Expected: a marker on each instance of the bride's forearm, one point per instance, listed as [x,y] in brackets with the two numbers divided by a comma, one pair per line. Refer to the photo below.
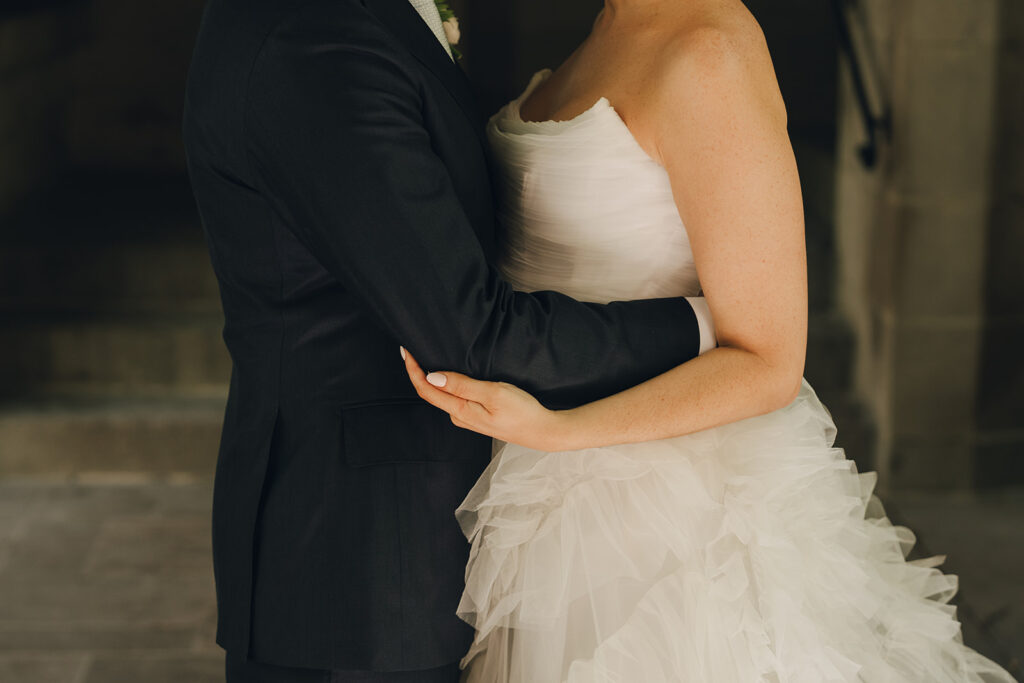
[721,386]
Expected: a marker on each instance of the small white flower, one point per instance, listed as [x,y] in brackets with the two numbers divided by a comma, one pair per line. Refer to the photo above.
[451,31]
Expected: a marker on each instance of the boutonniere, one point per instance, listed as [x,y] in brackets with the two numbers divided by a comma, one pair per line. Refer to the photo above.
[450,23]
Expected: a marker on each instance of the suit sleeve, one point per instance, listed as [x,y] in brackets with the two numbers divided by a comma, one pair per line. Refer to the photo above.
[337,137]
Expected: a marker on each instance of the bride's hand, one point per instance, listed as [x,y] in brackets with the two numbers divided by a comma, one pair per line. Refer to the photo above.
[496,409]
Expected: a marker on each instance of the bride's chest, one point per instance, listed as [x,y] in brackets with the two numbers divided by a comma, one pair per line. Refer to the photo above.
[587,176]
[594,225]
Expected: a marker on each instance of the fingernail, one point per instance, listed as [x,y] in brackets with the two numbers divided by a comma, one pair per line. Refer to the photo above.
[402,350]
[437,379]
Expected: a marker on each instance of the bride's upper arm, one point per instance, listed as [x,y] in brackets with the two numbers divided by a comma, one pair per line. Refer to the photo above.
[720,130]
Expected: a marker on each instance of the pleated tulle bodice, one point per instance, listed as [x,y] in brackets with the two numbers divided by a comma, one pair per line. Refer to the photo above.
[585,210]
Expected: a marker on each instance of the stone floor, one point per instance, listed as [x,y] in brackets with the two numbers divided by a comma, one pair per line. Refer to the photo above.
[106,583]
[109,581]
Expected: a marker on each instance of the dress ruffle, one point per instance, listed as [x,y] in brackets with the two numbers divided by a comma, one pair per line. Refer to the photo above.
[751,552]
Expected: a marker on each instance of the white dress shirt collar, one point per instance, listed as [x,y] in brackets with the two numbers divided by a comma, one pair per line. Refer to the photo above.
[428,10]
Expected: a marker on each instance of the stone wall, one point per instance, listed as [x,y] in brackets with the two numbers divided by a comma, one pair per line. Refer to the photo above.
[1000,407]
[112,361]
[129,84]
[926,266]
[35,76]
[91,84]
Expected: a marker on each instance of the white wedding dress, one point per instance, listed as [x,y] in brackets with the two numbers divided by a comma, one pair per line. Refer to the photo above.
[745,553]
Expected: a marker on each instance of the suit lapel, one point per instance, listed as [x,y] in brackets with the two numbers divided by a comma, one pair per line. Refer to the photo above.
[406,23]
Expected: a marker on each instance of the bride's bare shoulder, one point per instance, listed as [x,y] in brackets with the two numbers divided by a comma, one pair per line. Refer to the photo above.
[712,35]
[714,54]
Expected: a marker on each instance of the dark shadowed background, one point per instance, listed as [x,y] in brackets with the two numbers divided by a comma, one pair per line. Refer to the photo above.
[113,374]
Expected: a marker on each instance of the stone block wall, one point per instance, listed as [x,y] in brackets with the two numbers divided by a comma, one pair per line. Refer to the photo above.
[1000,407]
[922,238]
[88,84]
[129,84]
[112,360]
[36,48]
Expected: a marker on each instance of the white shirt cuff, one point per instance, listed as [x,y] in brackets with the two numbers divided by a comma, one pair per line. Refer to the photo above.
[705,324]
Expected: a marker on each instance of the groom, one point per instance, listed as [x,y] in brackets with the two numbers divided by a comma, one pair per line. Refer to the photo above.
[339,163]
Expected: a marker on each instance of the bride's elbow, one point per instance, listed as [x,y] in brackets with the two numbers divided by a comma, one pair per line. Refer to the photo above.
[788,391]
[778,375]
[787,385]
[784,381]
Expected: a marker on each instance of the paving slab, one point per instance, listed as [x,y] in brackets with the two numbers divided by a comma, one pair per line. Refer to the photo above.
[151,546]
[43,669]
[174,668]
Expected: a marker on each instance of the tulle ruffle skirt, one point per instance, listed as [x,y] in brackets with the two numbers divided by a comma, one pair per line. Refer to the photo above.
[751,552]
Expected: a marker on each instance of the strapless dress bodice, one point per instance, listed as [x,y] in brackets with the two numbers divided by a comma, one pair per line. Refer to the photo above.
[585,210]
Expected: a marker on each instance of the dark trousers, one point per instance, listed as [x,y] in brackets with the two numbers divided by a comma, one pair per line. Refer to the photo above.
[241,671]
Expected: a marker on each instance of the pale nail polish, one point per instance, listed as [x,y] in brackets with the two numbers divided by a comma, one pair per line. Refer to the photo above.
[401,349]
[437,379]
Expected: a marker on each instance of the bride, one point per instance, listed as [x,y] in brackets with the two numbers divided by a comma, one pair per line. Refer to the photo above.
[699,526]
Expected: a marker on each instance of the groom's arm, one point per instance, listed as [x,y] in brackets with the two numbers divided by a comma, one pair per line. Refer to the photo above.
[336,130]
